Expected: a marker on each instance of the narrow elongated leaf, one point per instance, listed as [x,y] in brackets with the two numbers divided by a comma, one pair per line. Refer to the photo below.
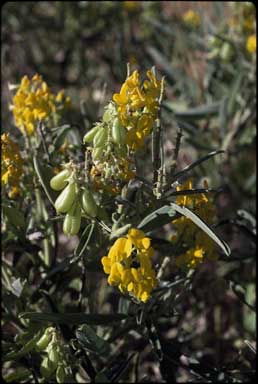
[196,163]
[201,224]
[18,375]
[45,173]
[72,318]
[157,218]
[197,113]
[29,346]
[60,137]
[88,338]
[84,241]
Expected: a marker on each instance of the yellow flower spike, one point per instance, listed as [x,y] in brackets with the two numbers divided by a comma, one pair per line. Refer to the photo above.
[138,281]
[32,103]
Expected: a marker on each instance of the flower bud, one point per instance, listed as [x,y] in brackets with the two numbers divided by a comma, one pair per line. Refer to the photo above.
[59,181]
[88,138]
[100,137]
[88,203]
[72,221]
[118,132]
[66,198]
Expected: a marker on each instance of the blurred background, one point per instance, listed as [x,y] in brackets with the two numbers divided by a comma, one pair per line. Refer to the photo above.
[204,51]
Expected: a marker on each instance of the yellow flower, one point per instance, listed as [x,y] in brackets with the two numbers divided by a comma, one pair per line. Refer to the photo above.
[129,266]
[11,165]
[199,244]
[34,102]
[192,18]
[137,107]
[251,44]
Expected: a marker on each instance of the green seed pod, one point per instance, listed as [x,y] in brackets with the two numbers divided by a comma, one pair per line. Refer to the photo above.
[88,138]
[118,132]
[43,342]
[54,356]
[72,221]
[66,198]
[97,153]
[214,41]
[46,368]
[59,181]
[226,52]
[100,137]
[88,203]
[60,374]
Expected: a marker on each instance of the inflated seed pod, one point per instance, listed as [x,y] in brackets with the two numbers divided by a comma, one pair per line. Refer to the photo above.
[59,181]
[72,221]
[100,138]
[43,341]
[97,153]
[118,132]
[46,368]
[66,198]
[60,374]
[54,355]
[226,52]
[88,138]
[88,203]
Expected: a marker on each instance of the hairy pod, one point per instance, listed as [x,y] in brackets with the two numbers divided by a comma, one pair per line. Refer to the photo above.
[59,181]
[88,203]
[100,138]
[118,132]
[66,198]
[88,138]
[72,221]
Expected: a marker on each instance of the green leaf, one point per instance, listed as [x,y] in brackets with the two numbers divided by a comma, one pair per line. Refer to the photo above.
[18,375]
[84,241]
[197,113]
[196,163]
[158,218]
[88,338]
[45,174]
[14,216]
[29,346]
[61,134]
[201,224]
[72,318]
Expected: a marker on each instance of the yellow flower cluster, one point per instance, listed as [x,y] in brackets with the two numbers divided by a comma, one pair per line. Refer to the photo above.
[188,233]
[192,18]
[129,266]
[11,165]
[34,102]
[137,107]
[251,44]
